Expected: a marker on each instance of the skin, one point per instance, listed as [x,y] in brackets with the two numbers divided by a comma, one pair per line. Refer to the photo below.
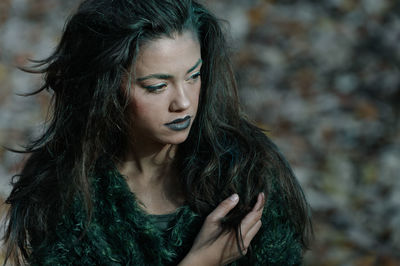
[164,85]
[224,249]
[147,165]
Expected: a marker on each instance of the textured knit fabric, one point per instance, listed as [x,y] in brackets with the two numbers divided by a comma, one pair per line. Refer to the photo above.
[121,233]
[162,220]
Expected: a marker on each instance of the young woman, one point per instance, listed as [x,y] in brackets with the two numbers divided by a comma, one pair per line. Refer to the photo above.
[146,149]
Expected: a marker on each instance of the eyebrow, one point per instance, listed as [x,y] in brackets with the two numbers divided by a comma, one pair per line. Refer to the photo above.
[166,76]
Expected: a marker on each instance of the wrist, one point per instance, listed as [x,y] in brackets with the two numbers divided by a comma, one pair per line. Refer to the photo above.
[195,258]
[189,259]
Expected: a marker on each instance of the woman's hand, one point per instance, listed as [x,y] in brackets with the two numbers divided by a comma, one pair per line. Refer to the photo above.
[224,249]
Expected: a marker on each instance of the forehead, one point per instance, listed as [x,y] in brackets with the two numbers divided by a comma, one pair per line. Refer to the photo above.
[168,54]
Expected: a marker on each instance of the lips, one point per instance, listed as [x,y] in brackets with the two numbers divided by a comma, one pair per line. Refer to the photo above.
[179,120]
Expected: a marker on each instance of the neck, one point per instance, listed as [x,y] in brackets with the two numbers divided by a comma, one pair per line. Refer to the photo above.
[148,164]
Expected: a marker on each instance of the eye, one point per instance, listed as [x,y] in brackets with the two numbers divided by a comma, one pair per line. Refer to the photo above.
[195,76]
[155,88]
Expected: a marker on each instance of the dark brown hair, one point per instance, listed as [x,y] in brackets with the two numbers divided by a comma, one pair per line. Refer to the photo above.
[224,154]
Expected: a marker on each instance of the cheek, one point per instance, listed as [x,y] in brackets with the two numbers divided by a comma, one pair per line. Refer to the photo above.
[197,94]
[147,112]
[142,111]
[139,108]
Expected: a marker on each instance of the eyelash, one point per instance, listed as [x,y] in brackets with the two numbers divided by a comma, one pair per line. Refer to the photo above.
[194,77]
[155,88]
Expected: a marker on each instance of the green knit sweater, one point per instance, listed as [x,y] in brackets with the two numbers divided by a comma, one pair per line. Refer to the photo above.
[121,233]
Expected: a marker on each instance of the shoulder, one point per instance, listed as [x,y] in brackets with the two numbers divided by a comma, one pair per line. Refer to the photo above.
[75,241]
[277,241]
[285,215]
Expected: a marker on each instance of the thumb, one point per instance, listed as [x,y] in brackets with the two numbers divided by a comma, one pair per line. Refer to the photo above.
[223,208]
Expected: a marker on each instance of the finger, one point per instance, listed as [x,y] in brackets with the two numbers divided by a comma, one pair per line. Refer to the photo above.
[260,207]
[252,217]
[249,221]
[223,208]
[251,233]
[259,203]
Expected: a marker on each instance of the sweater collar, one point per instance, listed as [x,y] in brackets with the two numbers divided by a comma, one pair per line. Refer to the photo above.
[121,205]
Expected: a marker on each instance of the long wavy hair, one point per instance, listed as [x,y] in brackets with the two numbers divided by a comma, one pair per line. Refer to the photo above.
[225,152]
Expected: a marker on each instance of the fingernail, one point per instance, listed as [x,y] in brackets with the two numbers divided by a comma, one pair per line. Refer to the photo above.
[263,195]
[234,197]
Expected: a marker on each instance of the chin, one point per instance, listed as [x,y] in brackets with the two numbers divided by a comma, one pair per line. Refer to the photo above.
[177,139]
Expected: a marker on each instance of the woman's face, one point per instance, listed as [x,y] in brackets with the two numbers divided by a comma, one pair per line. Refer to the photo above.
[166,88]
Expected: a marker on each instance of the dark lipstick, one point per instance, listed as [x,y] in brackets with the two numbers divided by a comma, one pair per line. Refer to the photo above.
[179,124]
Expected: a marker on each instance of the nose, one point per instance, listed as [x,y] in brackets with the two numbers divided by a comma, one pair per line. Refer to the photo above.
[180,100]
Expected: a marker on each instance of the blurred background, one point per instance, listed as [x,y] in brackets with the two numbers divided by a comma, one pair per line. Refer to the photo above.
[322,76]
